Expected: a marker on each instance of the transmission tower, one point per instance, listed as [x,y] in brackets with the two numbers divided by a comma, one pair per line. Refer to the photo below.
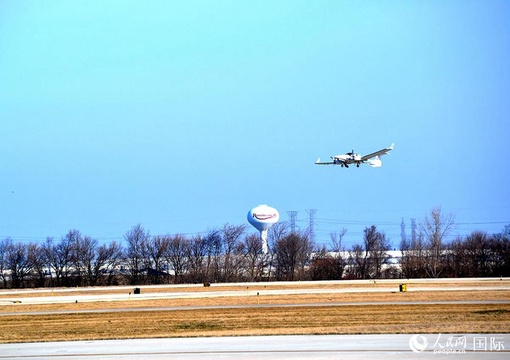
[413,230]
[311,214]
[293,216]
[403,235]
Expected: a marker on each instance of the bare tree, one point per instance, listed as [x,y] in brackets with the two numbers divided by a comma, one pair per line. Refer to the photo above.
[305,256]
[413,258]
[154,250]
[93,261]
[4,244]
[40,267]
[84,251]
[108,259]
[357,262]
[477,255]
[254,257]
[196,252]
[232,251]
[213,249]
[286,250]
[476,249]
[275,234]
[136,239]
[277,231]
[336,241]
[366,260]
[435,227]
[58,259]
[176,255]
[378,250]
[20,261]
[370,239]
[292,255]
[501,252]
[326,265]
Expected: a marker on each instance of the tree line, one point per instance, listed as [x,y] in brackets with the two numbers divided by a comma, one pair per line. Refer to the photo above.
[476,255]
[230,254]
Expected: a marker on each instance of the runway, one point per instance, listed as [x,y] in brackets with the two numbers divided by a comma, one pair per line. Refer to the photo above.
[396,346]
[46,296]
[402,346]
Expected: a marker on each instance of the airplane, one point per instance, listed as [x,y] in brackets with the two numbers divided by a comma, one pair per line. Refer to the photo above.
[352,158]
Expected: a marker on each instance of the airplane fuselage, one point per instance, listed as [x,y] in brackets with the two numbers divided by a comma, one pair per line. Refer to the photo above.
[372,159]
[347,159]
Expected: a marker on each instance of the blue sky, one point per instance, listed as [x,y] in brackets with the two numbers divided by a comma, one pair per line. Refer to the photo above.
[182,116]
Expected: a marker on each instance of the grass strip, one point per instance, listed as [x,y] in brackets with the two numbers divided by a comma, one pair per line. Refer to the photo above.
[494,318]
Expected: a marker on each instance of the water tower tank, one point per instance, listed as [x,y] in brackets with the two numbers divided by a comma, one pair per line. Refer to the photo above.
[262,217]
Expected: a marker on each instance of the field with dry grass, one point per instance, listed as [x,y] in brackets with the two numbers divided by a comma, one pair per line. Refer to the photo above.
[249,314]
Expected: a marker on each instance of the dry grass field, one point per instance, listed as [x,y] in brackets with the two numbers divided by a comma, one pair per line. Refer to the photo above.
[250,314]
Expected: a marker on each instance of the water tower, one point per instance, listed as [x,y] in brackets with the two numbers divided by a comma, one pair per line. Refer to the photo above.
[262,217]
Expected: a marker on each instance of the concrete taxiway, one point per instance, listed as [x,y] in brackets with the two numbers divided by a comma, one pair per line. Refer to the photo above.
[46,297]
[401,346]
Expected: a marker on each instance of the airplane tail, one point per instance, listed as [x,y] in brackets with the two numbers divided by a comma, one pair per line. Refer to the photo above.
[375,162]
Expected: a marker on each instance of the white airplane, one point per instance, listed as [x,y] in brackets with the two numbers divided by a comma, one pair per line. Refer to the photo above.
[353,158]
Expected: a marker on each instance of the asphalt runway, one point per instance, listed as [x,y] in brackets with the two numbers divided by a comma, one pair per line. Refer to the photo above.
[402,346]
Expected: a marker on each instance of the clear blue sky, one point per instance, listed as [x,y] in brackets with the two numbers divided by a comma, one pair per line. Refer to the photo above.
[182,116]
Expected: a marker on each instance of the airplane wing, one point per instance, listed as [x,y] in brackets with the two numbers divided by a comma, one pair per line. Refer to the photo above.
[318,162]
[377,153]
